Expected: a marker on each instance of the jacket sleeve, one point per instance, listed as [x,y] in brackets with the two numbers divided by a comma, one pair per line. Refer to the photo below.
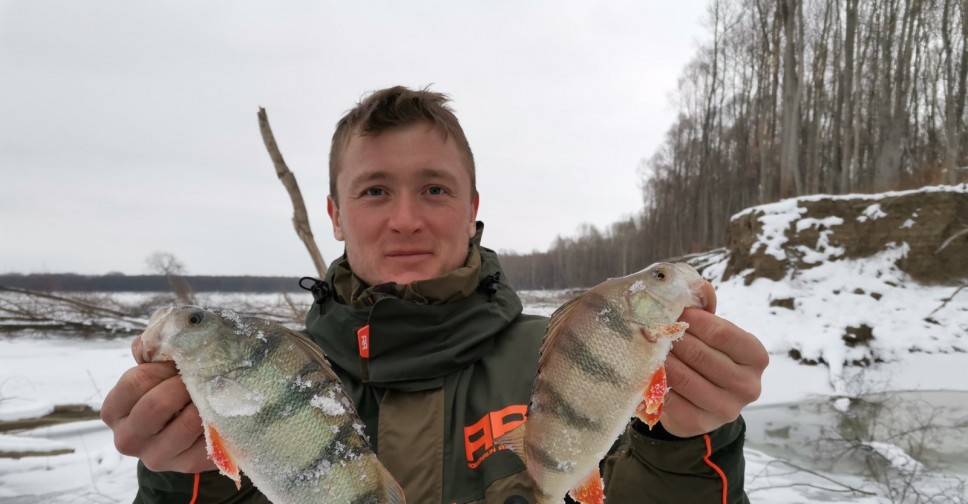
[200,488]
[657,467]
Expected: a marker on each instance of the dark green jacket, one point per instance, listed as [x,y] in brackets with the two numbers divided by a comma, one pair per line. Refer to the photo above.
[449,368]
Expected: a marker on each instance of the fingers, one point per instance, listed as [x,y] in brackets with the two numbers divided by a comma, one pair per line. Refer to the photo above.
[740,346]
[714,371]
[180,446]
[682,418]
[137,350]
[131,387]
[710,294]
[153,418]
[151,414]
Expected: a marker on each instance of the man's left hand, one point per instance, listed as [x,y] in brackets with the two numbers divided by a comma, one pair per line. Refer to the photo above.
[714,371]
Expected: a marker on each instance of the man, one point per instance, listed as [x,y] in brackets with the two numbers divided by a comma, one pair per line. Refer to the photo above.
[450,358]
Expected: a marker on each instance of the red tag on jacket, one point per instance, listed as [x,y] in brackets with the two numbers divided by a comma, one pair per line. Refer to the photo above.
[363,339]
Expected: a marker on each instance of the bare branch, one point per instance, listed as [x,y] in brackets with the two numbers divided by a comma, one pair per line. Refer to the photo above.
[951,238]
[300,219]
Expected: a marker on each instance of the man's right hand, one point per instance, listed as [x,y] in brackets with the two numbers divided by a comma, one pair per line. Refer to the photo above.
[154,419]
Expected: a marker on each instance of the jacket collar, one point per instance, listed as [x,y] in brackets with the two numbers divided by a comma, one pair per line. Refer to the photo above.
[419,333]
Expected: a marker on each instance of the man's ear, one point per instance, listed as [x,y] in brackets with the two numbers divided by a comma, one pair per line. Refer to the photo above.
[472,226]
[333,212]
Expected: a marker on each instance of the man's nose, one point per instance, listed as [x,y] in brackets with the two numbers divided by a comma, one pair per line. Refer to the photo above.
[406,215]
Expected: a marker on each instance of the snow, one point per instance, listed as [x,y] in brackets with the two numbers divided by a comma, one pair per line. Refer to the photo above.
[328,405]
[920,339]
[872,212]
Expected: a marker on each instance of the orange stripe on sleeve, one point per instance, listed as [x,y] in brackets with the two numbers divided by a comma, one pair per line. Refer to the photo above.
[198,476]
[710,463]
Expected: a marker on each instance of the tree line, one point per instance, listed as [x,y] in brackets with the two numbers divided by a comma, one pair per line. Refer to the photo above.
[788,98]
[71,282]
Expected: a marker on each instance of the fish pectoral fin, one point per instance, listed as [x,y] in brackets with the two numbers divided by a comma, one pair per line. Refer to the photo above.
[650,409]
[218,454]
[590,490]
[514,440]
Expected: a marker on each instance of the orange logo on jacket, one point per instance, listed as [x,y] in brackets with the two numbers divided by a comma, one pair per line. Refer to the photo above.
[479,438]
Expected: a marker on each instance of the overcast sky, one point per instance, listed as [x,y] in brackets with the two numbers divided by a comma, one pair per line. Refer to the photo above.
[130,127]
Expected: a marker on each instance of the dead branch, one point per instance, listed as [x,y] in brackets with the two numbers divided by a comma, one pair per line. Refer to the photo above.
[951,239]
[75,302]
[300,219]
[948,299]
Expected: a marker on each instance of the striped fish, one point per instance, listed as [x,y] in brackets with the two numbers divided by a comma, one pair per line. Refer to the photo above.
[271,407]
[601,363]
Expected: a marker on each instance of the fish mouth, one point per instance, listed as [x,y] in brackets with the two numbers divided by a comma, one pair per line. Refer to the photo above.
[700,289]
[152,337]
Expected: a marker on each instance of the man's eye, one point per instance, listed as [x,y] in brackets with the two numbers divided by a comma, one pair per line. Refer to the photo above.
[374,191]
[436,190]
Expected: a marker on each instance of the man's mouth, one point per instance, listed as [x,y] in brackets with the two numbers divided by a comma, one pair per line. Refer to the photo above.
[407,253]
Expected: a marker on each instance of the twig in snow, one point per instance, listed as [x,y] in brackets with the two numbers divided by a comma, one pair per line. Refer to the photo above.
[948,299]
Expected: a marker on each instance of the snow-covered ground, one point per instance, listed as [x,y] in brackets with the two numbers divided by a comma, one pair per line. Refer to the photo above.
[919,343]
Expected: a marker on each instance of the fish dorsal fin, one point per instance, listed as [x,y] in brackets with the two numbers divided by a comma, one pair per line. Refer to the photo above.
[313,351]
[316,353]
[558,320]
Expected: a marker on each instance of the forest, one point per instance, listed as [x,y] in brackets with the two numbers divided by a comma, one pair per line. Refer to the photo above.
[786,98]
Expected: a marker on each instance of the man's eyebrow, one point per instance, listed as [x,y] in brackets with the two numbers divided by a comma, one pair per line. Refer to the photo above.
[432,173]
[382,175]
[373,176]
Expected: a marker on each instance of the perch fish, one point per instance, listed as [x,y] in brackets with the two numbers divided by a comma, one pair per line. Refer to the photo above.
[271,407]
[601,363]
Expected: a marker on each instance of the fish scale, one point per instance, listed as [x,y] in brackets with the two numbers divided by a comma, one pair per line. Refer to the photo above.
[603,349]
[271,407]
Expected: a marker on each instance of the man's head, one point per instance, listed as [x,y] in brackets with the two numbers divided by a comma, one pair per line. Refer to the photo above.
[402,190]
[397,107]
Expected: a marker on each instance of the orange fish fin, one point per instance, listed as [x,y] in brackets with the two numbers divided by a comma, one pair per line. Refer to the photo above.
[218,454]
[514,440]
[650,409]
[672,331]
[589,491]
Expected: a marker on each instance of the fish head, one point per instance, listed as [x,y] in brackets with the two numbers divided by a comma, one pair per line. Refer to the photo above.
[659,293]
[176,332]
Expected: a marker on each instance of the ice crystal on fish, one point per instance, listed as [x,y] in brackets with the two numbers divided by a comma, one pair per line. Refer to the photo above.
[637,286]
[328,405]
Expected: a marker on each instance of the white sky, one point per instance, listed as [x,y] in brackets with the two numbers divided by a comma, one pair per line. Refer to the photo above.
[130,127]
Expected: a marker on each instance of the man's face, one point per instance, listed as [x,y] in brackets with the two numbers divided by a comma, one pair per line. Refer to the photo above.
[405,206]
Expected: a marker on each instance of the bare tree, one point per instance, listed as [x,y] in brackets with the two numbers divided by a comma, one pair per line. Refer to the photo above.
[165,263]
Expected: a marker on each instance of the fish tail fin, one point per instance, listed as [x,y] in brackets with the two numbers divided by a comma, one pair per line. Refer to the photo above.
[514,440]
[220,455]
[650,409]
[590,490]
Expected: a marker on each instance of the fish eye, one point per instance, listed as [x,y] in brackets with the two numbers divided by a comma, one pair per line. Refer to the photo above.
[196,317]
[659,274]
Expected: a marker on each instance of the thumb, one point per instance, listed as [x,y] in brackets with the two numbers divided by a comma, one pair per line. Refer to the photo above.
[710,293]
[136,350]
